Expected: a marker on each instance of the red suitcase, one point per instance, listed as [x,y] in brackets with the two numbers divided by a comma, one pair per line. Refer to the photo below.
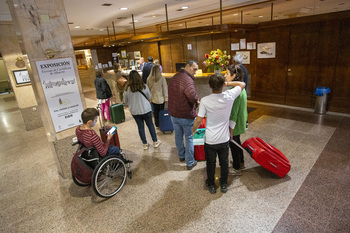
[115,138]
[267,156]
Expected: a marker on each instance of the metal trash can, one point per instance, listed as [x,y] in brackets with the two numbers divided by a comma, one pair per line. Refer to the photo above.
[321,99]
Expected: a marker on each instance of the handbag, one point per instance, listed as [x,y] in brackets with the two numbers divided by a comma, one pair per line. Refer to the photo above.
[121,81]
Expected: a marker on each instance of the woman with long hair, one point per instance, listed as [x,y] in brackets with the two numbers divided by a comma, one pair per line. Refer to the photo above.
[238,120]
[159,91]
[137,97]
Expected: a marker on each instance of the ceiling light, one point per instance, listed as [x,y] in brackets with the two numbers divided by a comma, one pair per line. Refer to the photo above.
[77,27]
[184,7]
[123,8]
[235,14]
[260,16]
[101,29]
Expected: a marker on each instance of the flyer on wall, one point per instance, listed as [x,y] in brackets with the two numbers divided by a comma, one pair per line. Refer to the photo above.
[61,92]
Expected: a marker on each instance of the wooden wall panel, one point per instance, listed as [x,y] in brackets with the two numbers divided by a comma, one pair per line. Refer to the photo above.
[222,42]
[250,36]
[340,95]
[177,52]
[190,54]
[204,46]
[104,55]
[165,54]
[328,45]
[271,73]
[302,65]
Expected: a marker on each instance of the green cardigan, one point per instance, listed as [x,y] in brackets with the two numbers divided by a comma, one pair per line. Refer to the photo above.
[239,113]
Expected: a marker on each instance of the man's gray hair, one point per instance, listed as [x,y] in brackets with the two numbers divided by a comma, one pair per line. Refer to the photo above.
[238,58]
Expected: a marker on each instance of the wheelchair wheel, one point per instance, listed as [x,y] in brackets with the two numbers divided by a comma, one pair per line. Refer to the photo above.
[79,183]
[109,176]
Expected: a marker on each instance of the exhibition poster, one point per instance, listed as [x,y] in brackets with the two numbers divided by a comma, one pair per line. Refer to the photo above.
[61,92]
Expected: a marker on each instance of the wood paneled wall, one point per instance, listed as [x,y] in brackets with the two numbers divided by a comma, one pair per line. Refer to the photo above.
[310,52]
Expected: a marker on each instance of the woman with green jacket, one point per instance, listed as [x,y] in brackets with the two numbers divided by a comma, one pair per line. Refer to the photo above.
[238,121]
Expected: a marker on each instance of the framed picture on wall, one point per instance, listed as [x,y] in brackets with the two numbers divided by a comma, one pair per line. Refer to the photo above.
[245,55]
[21,76]
[267,50]
[123,53]
[137,54]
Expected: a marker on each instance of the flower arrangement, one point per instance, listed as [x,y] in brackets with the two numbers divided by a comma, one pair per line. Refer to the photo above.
[217,60]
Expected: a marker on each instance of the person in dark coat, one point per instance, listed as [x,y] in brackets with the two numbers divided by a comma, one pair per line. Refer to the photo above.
[103,93]
[147,69]
[182,104]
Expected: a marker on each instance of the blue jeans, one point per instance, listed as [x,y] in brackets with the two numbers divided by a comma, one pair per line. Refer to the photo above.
[140,119]
[113,150]
[211,151]
[183,127]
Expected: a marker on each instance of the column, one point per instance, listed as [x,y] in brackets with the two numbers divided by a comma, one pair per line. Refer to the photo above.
[14,60]
[43,32]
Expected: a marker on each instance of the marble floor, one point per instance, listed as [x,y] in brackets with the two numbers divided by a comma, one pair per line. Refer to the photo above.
[163,196]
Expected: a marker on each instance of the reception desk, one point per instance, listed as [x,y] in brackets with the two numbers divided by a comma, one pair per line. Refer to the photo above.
[201,81]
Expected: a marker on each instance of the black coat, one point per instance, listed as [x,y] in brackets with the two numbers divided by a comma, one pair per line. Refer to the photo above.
[146,71]
[103,91]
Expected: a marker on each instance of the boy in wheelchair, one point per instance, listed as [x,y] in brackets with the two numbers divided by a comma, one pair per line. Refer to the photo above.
[89,138]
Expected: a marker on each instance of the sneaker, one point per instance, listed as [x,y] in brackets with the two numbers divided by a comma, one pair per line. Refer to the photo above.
[182,159]
[145,146]
[242,166]
[156,144]
[223,188]
[193,165]
[234,172]
[211,188]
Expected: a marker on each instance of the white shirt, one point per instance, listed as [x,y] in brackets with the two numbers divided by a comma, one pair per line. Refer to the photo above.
[218,107]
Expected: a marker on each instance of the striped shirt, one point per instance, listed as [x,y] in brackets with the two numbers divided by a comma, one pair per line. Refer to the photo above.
[90,138]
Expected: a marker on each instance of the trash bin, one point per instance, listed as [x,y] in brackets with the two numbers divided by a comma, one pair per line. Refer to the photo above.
[321,99]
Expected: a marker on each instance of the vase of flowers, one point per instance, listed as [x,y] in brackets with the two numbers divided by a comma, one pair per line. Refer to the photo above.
[216,61]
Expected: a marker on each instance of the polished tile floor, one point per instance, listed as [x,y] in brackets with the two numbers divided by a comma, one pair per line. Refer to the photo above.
[163,196]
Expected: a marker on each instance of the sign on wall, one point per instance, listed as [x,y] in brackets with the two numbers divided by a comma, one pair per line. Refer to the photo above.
[61,92]
[21,76]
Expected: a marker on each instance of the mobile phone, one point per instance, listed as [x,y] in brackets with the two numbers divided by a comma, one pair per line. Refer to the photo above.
[112,130]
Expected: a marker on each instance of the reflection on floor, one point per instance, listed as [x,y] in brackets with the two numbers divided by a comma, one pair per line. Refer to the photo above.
[164,197]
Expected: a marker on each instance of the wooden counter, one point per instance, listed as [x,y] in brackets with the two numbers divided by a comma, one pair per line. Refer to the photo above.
[202,75]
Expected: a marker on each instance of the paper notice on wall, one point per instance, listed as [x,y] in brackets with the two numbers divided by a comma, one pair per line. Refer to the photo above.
[61,92]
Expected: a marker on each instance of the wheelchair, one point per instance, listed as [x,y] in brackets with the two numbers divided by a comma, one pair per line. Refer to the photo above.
[107,175]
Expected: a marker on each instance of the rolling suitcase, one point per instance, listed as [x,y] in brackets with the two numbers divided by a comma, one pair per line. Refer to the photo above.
[165,123]
[117,113]
[115,138]
[267,156]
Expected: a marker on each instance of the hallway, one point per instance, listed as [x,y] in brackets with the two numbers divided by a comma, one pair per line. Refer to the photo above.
[163,196]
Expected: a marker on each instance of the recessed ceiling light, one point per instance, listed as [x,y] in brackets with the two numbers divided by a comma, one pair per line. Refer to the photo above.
[235,14]
[123,8]
[184,7]
[260,16]
[77,27]
[101,29]
[106,4]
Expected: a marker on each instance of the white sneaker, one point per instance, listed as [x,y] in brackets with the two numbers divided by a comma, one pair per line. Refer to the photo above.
[156,144]
[234,172]
[145,146]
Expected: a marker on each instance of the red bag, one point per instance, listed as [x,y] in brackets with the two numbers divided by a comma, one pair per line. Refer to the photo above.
[267,156]
[80,170]
[114,139]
